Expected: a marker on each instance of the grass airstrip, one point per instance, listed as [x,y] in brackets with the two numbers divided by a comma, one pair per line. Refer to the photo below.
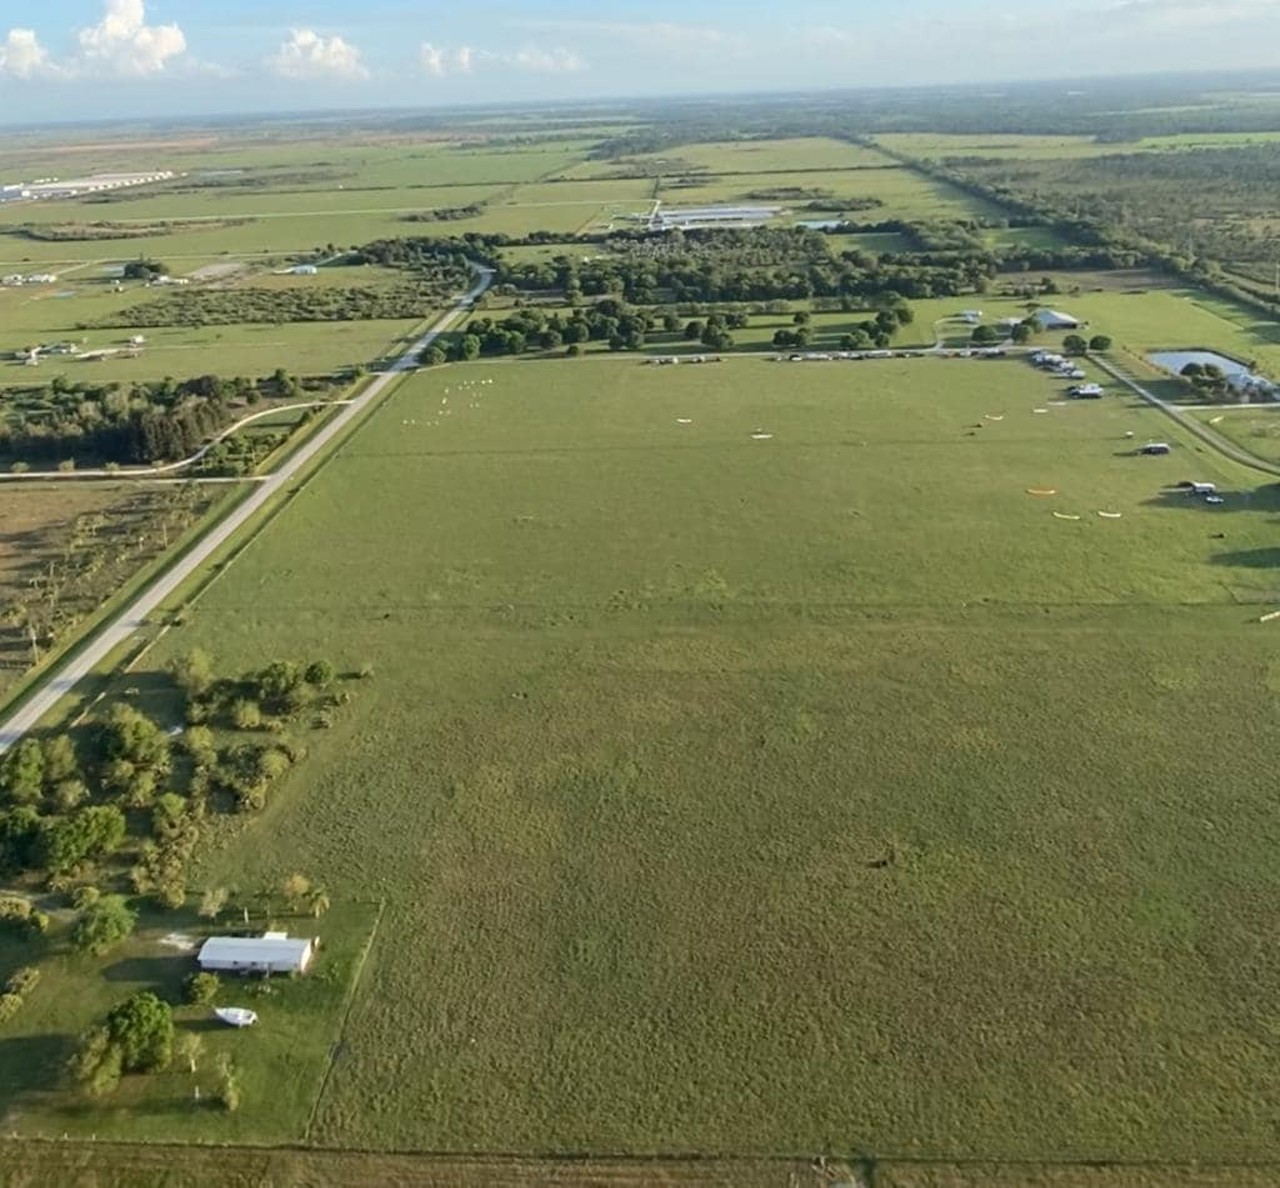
[770,758]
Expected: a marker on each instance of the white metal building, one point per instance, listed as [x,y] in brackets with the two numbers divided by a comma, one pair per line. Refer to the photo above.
[1054,319]
[274,953]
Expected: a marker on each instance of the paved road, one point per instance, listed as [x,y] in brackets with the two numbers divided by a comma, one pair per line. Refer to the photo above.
[71,671]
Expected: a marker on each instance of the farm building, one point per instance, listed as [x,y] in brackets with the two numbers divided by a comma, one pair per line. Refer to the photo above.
[1053,319]
[695,217]
[274,952]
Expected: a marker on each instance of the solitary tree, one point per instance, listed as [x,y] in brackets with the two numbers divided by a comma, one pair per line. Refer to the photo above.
[212,903]
[1100,342]
[295,889]
[188,1048]
[194,672]
[1074,344]
[318,901]
[1022,333]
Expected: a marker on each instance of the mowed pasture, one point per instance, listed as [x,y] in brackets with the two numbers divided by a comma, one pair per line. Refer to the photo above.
[821,791]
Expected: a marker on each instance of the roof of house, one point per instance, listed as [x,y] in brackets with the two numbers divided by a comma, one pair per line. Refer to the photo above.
[256,950]
[1054,315]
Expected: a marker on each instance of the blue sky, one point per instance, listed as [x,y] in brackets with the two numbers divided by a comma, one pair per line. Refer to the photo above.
[71,59]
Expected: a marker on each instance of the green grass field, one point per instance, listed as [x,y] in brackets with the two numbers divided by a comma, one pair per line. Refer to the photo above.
[282,1062]
[770,796]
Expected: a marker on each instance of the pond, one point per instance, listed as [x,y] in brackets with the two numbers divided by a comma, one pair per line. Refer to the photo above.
[1175,361]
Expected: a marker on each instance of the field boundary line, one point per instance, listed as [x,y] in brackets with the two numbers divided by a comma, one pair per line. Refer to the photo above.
[348,1006]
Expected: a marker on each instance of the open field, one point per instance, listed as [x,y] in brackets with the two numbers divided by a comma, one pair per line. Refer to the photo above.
[940,146]
[905,194]
[1256,429]
[698,767]
[253,350]
[777,156]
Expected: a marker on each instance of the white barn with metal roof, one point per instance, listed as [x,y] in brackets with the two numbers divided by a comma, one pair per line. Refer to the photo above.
[273,953]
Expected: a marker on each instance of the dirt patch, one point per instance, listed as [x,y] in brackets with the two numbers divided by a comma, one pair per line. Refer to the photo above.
[221,271]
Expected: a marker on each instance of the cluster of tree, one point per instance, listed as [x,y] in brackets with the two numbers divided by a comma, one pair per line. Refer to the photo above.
[873,333]
[446,258]
[244,772]
[136,424]
[280,691]
[319,303]
[62,809]
[759,264]
[92,232]
[532,329]
[1207,377]
[45,821]
[137,1036]
[446,214]
[144,269]
[18,915]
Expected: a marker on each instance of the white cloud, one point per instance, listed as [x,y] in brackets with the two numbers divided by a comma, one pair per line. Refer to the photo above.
[123,44]
[667,34]
[22,55]
[434,60]
[307,55]
[441,62]
[544,61]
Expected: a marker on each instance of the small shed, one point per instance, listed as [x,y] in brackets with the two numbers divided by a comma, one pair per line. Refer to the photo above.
[272,953]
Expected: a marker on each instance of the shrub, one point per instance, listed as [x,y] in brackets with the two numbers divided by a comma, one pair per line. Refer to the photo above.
[320,674]
[83,898]
[202,989]
[246,715]
[10,1005]
[22,981]
[104,925]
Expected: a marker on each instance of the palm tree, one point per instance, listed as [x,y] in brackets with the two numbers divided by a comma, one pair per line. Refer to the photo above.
[318,901]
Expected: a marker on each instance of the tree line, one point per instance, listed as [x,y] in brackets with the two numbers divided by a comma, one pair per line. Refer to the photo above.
[135,424]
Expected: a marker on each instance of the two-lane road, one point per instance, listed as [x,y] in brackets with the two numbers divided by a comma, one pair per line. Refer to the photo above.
[64,678]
